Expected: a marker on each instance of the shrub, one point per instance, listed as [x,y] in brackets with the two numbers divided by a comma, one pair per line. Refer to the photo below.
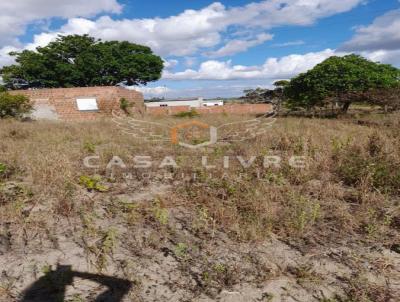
[2,88]
[189,114]
[14,105]
[3,170]
[124,104]
[92,183]
[353,166]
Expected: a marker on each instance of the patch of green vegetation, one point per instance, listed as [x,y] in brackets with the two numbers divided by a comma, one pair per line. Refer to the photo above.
[107,247]
[187,114]
[93,183]
[160,214]
[89,147]
[3,169]
[383,173]
[303,212]
[14,105]
[220,268]
[276,178]
[181,250]
[46,269]
[124,105]
[77,298]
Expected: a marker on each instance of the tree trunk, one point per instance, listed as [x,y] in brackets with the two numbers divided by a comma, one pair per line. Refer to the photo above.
[346,107]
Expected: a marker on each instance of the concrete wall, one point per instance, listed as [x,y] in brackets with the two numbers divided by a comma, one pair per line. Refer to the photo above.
[61,103]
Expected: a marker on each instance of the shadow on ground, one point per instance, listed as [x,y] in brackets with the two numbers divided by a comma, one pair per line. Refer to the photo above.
[52,286]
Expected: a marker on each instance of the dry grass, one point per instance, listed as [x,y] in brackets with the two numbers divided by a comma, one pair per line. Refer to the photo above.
[348,189]
[349,185]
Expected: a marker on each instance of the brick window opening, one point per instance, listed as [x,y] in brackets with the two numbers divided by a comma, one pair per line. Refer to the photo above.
[87,104]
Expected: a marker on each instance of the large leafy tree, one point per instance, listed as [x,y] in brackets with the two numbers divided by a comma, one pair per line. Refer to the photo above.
[342,80]
[84,61]
[388,98]
[263,95]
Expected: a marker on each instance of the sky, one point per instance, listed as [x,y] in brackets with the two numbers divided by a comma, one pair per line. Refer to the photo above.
[214,49]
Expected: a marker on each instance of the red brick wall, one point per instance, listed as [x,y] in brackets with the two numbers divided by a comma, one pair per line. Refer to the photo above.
[64,100]
[167,110]
[237,109]
[229,109]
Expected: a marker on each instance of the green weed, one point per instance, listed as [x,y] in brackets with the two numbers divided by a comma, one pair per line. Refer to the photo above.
[89,147]
[93,183]
[187,114]
[181,250]
[160,214]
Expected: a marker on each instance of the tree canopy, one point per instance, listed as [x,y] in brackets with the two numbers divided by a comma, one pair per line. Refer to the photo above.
[340,79]
[75,60]
[263,95]
[258,95]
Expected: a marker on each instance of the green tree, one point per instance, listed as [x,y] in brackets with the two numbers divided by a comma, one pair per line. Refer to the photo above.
[262,95]
[75,60]
[14,105]
[281,83]
[342,80]
[388,98]
[279,93]
[258,95]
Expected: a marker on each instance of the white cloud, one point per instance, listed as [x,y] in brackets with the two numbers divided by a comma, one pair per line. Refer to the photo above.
[151,91]
[382,34]
[181,35]
[272,13]
[290,43]
[231,90]
[190,61]
[39,40]
[207,92]
[170,64]
[15,15]
[195,30]
[379,41]
[5,59]
[237,46]
[284,67]
[383,56]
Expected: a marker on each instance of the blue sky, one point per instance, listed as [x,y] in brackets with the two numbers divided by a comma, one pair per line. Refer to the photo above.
[215,48]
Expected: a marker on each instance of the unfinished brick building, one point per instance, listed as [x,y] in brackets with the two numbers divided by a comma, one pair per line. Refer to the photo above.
[80,104]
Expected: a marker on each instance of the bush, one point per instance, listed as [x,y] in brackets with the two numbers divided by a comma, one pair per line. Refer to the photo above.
[190,114]
[125,105]
[93,183]
[2,88]
[381,170]
[3,169]
[14,105]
